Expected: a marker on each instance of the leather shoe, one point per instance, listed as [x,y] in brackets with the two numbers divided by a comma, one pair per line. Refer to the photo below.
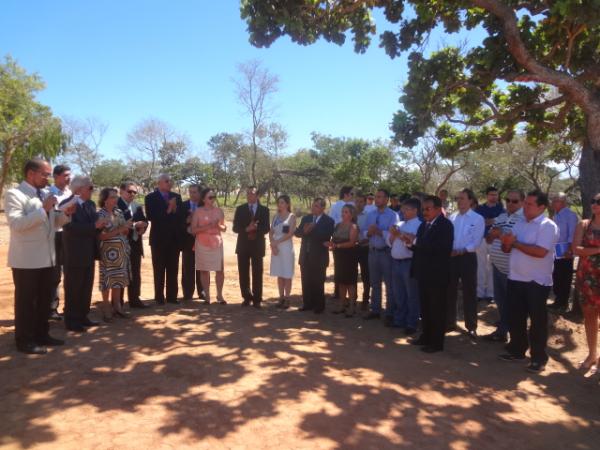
[160,301]
[409,331]
[137,304]
[53,342]
[418,341]
[246,303]
[472,335]
[304,308]
[451,328]
[76,328]
[173,301]
[90,323]
[32,349]
[431,349]
[257,305]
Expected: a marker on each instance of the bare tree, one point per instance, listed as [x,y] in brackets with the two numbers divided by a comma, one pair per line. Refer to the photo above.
[255,87]
[84,137]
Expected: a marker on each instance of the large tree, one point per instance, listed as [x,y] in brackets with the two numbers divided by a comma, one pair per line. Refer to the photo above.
[27,128]
[538,66]
[84,138]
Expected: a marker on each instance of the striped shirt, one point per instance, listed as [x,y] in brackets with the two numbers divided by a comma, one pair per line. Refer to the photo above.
[505,222]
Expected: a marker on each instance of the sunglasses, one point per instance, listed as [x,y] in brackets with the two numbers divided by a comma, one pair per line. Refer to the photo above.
[595,201]
[132,192]
[508,200]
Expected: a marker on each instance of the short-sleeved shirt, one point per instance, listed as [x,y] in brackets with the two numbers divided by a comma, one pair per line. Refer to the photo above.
[489,212]
[542,232]
[566,220]
[504,222]
[399,248]
[384,220]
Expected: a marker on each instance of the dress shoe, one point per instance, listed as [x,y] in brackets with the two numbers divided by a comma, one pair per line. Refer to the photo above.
[173,301]
[431,349]
[53,342]
[137,304]
[419,341]
[122,315]
[202,295]
[160,301]
[32,349]
[55,315]
[451,328]
[257,305]
[509,357]
[246,302]
[409,331]
[536,367]
[372,315]
[495,337]
[76,328]
[304,308]
[90,323]
[472,335]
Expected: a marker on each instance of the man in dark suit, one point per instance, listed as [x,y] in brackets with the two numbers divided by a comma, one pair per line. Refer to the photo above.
[315,229]
[79,251]
[134,211]
[165,212]
[432,247]
[190,278]
[251,223]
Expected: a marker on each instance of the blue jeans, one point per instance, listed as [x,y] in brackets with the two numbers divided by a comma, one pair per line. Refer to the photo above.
[380,270]
[500,284]
[405,294]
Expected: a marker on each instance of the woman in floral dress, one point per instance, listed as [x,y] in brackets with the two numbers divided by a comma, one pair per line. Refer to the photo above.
[586,245]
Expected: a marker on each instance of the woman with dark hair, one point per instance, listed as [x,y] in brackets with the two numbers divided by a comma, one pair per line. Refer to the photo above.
[345,259]
[115,268]
[586,245]
[282,249]
[208,222]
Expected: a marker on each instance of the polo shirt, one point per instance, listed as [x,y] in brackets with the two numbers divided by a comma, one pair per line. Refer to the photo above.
[506,223]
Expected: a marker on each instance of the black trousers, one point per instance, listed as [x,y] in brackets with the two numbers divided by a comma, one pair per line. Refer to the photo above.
[463,268]
[562,277]
[528,299]
[135,257]
[190,277]
[433,299]
[244,261]
[79,283]
[33,293]
[363,263]
[165,262]
[313,286]
[55,301]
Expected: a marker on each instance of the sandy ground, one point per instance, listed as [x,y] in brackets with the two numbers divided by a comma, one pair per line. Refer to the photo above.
[226,377]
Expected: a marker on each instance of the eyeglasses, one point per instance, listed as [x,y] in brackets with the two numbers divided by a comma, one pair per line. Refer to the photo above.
[595,201]
[132,192]
[514,201]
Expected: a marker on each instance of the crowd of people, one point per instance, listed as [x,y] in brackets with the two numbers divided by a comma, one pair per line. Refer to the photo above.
[421,248]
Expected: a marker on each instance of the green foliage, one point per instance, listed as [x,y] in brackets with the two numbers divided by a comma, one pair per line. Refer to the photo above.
[27,128]
[110,173]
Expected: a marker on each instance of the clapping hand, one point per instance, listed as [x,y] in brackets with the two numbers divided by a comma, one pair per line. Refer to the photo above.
[101,223]
[373,230]
[172,206]
[308,227]
[508,239]
[495,233]
[407,238]
[49,202]
[70,210]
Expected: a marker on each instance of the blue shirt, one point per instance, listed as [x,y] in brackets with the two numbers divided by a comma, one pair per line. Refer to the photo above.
[489,212]
[384,220]
[566,220]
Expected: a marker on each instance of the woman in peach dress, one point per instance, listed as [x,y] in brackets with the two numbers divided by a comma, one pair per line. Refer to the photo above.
[207,224]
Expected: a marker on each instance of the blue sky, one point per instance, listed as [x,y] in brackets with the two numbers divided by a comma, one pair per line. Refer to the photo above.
[123,61]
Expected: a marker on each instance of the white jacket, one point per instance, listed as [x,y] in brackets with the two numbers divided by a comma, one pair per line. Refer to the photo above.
[31,229]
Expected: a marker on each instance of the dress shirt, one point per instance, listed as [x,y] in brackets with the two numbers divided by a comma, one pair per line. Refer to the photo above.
[252,207]
[399,249]
[468,230]
[384,220]
[361,222]
[542,232]
[566,220]
[60,195]
[504,222]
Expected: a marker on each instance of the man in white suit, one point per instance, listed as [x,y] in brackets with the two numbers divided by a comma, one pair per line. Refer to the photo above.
[33,220]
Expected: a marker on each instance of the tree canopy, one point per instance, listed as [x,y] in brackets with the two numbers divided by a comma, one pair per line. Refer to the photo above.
[537,69]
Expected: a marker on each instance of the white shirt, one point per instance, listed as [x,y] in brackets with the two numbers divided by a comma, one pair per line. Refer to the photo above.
[399,248]
[336,210]
[542,232]
[468,230]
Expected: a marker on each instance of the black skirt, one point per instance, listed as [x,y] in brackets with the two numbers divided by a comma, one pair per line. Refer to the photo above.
[345,264]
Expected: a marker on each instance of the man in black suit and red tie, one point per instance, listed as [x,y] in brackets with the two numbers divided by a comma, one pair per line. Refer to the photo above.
[190,278]
[314,229]
[251,223]
[431,248]
[165,213]
[134,211]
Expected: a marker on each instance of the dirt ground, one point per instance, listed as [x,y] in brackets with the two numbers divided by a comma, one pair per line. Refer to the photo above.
[226,377]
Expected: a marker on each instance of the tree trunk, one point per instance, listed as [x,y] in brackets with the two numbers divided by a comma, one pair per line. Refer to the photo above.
[589,175]
[8,152]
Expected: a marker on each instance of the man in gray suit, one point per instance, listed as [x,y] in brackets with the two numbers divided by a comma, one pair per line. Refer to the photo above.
[33,220]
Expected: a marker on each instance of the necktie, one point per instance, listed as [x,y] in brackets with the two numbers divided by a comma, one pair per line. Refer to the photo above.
[38,192]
